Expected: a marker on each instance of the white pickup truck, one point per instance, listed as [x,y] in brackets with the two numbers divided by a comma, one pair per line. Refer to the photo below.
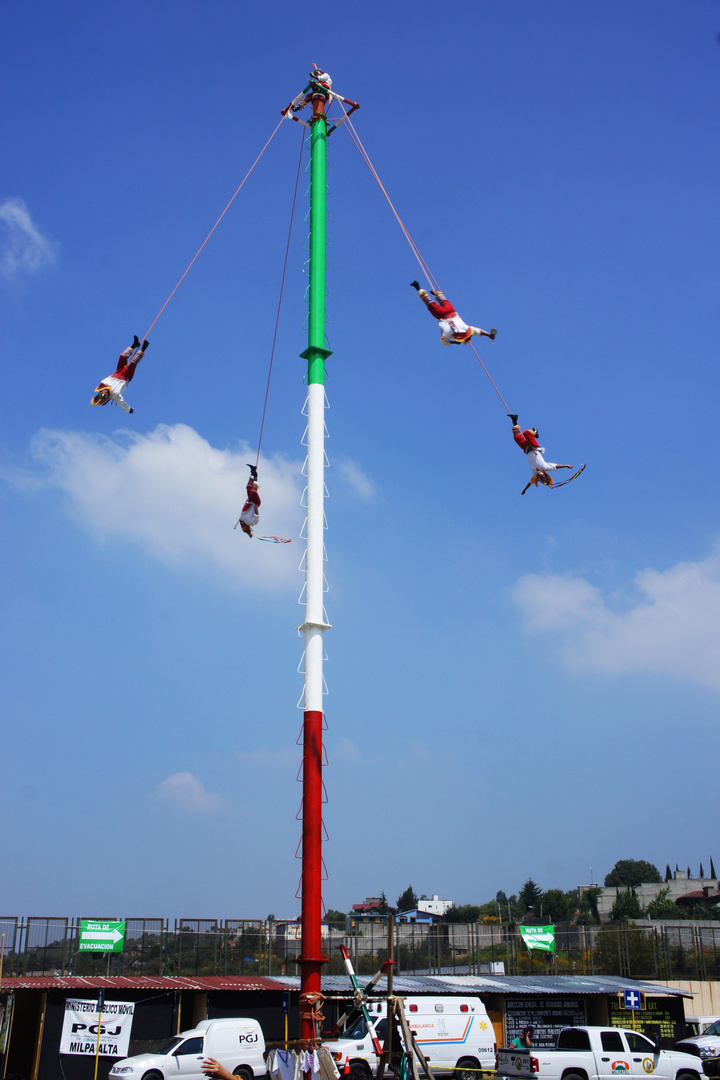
[598,1053]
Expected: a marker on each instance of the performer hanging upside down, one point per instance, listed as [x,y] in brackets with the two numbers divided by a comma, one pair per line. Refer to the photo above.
[112,387]
[453,331]
[249,516]
[528,442]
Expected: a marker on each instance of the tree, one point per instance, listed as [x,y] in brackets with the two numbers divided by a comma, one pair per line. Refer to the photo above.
[588,912]
[625,906]
[335,918]
[468,913]
[531,896]
[630,872]
[558,906]
[712,870]
[668,872]
[662,906]
[384,908]
[407,901]
[702,872]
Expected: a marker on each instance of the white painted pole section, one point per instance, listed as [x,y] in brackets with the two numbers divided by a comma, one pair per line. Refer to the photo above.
[315,624]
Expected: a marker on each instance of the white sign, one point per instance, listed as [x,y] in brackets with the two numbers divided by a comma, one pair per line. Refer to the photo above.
[80,1027]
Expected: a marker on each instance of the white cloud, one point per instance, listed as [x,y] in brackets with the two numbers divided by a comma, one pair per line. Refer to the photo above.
[22,245]
[345,750]
[355,479]
[185,792]
[177,497]
[673,630]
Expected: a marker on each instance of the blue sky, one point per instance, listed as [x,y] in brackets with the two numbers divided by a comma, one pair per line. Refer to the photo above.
[517,686]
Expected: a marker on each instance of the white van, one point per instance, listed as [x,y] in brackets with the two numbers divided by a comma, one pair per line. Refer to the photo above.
[454,1032]
[238,1044]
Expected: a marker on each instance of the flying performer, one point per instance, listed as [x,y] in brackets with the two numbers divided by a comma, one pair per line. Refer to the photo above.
[528,442]
[249,516]
[112,387]
[453,331]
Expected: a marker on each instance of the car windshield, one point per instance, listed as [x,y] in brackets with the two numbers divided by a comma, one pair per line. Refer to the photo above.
[358,1030]
[168,1045]
[714,1029]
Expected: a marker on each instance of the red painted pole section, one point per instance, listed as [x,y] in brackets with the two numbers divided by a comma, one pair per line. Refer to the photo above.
[311,959]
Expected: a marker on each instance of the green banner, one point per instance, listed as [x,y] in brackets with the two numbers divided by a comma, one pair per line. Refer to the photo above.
[101,936]
[539,937]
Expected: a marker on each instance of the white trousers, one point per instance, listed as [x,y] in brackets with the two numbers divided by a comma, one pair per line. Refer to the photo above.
[450,327]
[538,463]
[250,516]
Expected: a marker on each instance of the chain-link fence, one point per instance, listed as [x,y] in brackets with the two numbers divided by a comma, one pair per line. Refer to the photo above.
[154,946]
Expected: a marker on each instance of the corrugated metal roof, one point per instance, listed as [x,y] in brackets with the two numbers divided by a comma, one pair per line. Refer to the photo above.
[144,982]
[337,984]
[499,984]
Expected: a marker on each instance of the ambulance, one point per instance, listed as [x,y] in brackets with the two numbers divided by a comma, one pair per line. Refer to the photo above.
[454,1032]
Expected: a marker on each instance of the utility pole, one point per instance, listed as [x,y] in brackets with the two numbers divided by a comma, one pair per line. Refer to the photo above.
[315,624]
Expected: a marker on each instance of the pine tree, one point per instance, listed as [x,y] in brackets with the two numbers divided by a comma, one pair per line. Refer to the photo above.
[712,869]
[668,872]
[407,901]
[531,896]
[702,872]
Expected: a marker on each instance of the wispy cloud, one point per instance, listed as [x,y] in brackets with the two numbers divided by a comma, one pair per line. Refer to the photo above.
[23,248]
[672,630]
[175,496]
[345,750]
[352,475]
[184,791]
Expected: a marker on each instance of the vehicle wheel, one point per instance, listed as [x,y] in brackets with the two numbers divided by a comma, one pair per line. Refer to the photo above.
[153,1075]
[686,1076]
[243,1072]
[467,1069]
[573,1076]
[359,1071]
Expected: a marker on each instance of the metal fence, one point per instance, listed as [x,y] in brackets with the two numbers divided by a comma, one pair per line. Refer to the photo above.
[154,946]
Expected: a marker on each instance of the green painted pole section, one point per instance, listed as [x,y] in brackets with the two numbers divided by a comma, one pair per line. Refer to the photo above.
[316,353]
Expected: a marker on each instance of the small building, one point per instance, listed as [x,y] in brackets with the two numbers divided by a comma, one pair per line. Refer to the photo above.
[417,915]
[369,911]
[692,890]
[436,906]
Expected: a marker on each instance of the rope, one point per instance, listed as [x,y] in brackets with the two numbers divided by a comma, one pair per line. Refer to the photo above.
[282,286]
[364,154]
[507,410]
[425,268]
[147,332]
